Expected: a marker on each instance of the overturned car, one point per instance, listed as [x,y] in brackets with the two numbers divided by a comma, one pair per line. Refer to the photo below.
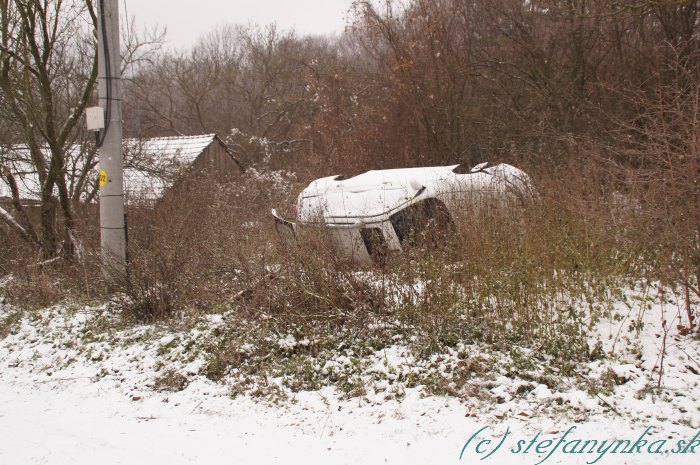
[371,215]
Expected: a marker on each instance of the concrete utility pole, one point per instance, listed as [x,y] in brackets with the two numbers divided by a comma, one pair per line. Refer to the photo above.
[112,224]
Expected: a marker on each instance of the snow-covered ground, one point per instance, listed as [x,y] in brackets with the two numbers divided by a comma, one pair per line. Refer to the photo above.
[70,395]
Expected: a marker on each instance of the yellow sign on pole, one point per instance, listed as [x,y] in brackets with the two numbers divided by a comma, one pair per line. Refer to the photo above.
[103,178]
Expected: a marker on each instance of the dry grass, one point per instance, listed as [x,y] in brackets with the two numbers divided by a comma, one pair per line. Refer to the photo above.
[536,275]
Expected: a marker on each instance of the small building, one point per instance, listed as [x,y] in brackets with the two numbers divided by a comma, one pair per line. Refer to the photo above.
[151,167]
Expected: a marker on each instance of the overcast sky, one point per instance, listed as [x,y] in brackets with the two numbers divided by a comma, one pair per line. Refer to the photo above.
[187,20]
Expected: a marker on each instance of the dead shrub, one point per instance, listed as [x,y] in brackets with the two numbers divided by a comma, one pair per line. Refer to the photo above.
[38,284]
[198,249]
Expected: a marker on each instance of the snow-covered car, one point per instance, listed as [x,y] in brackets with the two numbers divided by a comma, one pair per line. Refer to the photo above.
[379,212]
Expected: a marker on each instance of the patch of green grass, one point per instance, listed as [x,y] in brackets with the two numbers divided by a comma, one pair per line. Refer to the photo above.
[10,323]
[165,348]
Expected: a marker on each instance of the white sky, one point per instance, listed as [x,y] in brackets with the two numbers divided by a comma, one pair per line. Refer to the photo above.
[187,20]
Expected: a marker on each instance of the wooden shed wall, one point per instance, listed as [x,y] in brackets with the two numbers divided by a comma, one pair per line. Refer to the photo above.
[216,162]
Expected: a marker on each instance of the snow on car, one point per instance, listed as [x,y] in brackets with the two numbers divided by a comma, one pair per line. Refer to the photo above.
[382,211]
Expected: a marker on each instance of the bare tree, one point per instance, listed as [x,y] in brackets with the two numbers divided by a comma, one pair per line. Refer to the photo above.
[661,148]
[47,73]
[248,78]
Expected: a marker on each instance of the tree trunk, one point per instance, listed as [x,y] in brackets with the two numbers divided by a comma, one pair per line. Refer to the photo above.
[49,239]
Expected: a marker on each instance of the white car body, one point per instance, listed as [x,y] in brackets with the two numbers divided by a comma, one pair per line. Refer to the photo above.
[367,207]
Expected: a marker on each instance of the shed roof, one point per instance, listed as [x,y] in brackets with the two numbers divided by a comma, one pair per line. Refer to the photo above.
[153,165]
[182,149]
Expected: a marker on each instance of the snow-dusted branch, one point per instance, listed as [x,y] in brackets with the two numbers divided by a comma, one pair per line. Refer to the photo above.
[10,220]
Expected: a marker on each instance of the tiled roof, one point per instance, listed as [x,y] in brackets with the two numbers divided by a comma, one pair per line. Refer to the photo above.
[183,149]
[154,164]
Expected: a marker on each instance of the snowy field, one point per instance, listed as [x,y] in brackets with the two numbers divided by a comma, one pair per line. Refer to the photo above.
[67,399]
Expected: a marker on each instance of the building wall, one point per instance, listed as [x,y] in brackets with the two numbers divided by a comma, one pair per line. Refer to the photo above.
[213,166]
[216,163]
